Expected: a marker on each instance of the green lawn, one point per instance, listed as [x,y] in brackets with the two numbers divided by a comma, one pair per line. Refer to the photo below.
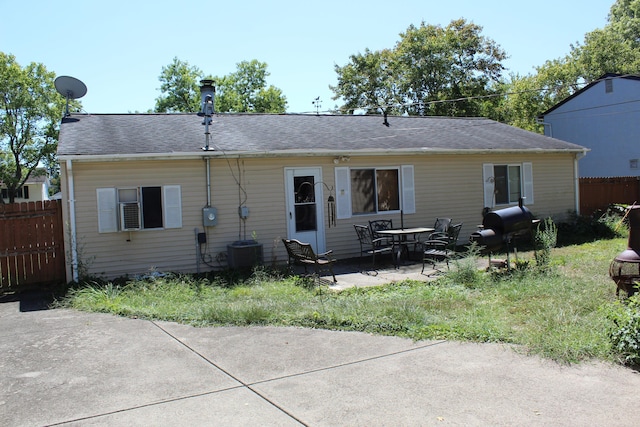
[563,313]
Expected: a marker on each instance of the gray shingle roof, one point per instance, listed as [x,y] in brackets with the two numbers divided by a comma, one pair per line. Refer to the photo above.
[256,134]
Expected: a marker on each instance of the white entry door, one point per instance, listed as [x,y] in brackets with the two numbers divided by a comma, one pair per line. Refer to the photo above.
[305,213]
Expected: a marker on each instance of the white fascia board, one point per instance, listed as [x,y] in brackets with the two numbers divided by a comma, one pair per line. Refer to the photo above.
[300,153]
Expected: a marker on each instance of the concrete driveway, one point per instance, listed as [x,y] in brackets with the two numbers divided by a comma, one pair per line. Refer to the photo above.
[63,367]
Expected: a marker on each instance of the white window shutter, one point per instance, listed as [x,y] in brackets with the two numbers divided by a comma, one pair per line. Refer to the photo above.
[343,193]
[107,210]
[527,183]
[408,190]
[488,180]
[172,206]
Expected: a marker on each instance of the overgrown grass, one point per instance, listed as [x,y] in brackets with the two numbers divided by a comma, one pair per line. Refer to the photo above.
[565,312]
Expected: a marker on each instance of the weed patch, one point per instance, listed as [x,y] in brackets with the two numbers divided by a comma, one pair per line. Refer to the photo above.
[566,312]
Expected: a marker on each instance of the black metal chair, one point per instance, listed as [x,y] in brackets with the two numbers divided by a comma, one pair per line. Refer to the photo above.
[441,246]
[380,224]
[370,245]
[303,254]
[441,225]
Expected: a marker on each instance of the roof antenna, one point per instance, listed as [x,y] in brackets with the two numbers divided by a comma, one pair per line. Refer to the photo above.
[207,107]
[317,104]
[70,88]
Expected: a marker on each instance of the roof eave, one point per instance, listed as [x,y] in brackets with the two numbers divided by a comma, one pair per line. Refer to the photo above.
[305,153]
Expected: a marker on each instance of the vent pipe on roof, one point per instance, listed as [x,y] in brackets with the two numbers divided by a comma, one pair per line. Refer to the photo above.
[207,106]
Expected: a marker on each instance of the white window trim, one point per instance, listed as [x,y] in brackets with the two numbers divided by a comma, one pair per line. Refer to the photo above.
[526,182]
[108,208]
[343,190]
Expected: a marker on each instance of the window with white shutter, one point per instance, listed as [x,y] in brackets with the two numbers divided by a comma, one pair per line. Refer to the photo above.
[361,191]
[139,208]
[505,184]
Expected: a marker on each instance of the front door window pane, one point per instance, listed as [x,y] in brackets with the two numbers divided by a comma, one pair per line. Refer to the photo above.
[305,203]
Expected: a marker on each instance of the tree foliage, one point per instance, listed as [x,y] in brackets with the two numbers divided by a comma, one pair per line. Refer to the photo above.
[180,88]
[612,49]
[428,66]
[30,113]
[244,90]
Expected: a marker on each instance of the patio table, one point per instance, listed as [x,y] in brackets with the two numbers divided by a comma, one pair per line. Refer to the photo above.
[399,238]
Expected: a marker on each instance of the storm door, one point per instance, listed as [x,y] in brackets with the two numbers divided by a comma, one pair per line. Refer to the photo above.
[305,214]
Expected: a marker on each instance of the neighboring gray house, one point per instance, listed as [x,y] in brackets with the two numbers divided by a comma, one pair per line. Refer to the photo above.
[604,116]
[139,191]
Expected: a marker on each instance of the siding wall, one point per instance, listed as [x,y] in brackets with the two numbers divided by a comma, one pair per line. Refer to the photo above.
[606,123]
[446,185]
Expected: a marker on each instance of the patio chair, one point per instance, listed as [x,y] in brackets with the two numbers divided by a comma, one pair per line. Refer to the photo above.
[441,246]
[381,224]
[370,245]
[441,225]
[303,254]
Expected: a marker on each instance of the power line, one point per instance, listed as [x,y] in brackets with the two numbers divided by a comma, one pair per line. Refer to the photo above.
[478,97]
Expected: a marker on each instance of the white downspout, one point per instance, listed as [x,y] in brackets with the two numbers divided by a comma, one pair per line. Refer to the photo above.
[576,175]
[72,223]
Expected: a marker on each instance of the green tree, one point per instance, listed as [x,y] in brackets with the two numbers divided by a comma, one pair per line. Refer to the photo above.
[244,90]
[30,113]
[612,49]
[452,63]
[429,66]
[180,88]
[369,82]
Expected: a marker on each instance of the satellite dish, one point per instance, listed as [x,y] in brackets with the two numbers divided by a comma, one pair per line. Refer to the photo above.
[70,88]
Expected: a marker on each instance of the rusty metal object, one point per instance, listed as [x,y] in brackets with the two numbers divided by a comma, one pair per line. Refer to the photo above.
[625,268]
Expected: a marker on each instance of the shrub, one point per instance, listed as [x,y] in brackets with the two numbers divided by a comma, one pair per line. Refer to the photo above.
[465,270]
[605,224]
[625,338]
[545,237]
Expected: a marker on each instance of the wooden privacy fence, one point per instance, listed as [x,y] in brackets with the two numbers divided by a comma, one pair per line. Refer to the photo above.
[598,193]
[31,245]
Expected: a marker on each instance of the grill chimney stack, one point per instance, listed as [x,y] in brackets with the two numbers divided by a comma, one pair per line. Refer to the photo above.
[207,106]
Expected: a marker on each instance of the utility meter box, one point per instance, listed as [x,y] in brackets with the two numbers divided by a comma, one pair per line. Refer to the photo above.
[209,216]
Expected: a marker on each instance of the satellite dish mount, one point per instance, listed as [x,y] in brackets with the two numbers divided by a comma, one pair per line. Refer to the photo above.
[70,88]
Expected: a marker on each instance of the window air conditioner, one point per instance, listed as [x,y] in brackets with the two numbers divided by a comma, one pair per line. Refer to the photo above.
[129,216]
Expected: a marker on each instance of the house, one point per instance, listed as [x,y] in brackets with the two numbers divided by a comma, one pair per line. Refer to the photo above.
[35,189]
[158,192]
[604,116]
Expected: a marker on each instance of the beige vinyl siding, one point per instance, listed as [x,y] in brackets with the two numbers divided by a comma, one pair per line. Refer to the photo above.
[452,186]
[445,186]
[119,253]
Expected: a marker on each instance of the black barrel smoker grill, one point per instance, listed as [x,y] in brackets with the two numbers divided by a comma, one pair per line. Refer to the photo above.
[500,228]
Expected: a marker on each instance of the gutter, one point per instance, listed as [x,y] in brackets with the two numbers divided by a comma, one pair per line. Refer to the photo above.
[304,153]
[72,221]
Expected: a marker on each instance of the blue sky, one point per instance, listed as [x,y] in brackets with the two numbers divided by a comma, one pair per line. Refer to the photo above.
[118,48]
